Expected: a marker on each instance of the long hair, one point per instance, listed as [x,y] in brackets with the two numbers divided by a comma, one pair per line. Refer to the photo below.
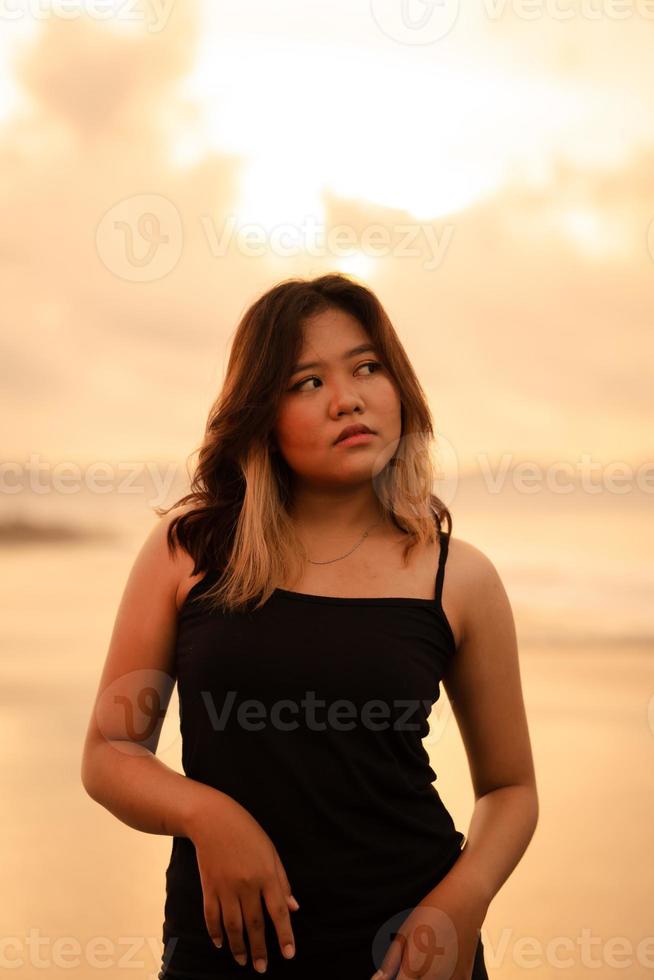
[236,518]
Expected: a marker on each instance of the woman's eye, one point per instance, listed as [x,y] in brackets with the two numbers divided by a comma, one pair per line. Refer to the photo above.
[296,387]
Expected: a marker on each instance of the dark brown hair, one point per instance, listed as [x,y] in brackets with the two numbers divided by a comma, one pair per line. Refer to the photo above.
[235,518]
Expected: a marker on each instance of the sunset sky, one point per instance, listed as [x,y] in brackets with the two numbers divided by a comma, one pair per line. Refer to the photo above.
[508,160]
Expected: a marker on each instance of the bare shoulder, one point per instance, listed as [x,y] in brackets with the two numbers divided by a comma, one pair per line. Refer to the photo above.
[471,564]
[472,584]
[167,570]
[182,562]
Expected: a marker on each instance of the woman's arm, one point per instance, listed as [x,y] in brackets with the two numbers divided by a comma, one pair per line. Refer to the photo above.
[142,791]
[484,688]
[120,770]
[240,871]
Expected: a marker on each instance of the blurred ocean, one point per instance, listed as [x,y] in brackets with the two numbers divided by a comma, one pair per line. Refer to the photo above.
[578,567]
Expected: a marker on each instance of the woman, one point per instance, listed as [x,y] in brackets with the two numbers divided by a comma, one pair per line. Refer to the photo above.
[298,595]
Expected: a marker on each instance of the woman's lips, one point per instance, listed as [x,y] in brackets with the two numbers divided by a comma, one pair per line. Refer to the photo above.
[356,439]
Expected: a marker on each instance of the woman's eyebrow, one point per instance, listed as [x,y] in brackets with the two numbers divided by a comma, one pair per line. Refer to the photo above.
[361,349]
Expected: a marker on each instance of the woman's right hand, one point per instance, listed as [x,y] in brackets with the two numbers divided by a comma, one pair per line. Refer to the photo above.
[239,865]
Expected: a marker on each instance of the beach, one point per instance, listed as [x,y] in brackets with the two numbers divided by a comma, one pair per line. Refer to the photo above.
[86,888]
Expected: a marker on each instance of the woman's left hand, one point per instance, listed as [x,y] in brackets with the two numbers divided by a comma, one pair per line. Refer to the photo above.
[437,941]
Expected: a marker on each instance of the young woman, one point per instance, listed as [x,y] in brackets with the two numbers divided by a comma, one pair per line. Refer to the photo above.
[308,602]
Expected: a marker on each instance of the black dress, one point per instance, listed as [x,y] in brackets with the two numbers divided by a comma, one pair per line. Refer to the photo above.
[310,712]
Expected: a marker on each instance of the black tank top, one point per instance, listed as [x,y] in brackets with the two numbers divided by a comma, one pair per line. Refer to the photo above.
[310,712]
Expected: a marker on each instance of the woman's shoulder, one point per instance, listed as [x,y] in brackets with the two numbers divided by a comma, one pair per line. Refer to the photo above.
[184,561]
[472,584]
[469,565]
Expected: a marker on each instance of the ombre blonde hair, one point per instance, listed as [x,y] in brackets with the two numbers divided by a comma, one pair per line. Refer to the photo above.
[236,518]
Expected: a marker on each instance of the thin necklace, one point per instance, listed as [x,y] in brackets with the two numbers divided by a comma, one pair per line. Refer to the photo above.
[365,535]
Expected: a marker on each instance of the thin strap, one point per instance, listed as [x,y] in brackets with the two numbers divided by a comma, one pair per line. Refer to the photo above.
[442,558]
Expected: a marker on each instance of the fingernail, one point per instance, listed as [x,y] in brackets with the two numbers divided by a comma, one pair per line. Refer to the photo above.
[218,943]
[379,975]
[295,902]
[289,950]
[241,958]
[260,966]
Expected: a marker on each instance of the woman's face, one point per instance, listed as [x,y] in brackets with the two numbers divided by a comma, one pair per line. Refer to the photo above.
[337,389]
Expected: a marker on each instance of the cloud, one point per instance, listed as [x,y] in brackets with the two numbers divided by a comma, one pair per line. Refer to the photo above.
[101,84]
[534,331]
